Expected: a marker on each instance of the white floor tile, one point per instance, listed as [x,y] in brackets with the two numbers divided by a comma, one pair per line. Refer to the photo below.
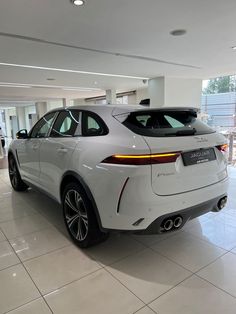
[16,288]
[115,248]
[149,240]
[232,212]
[5,190]
[17,211]
[96,293]
[222,273]
[7,255]
[38,243]
[53,270]
[21,226]
[38,306]
[145,310]
[215,232]
[194,296]
[2,237]
[226,219]
[10,200]
[199,220]
[147,274]
[188,251]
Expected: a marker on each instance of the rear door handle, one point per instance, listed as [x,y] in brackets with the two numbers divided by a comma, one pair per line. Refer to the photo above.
[62,150]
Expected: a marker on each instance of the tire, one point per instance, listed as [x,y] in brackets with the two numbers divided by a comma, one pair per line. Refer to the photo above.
[17,183]
[79,217]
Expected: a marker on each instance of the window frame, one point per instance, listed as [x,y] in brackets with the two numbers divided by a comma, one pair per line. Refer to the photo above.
[148,132]
[65,136]
[39,121]
[99,120]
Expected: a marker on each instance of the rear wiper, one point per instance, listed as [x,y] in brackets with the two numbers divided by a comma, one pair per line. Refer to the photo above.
[183,132]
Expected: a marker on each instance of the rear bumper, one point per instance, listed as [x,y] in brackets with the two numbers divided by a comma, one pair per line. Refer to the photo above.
[140,203]
[186,214]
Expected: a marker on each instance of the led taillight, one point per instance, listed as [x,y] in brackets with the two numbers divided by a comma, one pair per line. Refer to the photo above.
[223,148]
[142,159]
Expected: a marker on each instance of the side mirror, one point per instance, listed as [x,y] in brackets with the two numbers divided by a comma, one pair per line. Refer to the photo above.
[22,134]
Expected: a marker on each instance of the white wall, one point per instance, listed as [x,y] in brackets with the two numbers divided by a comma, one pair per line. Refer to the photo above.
[132,100]
[53,104]
[29,110]
[141,93]
[183,92]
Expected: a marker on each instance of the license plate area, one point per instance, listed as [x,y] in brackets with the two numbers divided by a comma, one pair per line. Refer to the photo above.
[198,156]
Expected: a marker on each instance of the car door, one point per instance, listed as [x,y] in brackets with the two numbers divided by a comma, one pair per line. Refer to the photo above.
[29,149]
[56,150]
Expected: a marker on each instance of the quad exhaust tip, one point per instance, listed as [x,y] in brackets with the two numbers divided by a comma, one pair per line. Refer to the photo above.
[221,204]
[168,225]
[178,222]
[172,223]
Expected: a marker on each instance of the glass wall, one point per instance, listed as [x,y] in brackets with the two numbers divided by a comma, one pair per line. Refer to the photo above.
[218,109]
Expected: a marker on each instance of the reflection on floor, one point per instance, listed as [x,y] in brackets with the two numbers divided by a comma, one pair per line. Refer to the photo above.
[41,271]
[3,163]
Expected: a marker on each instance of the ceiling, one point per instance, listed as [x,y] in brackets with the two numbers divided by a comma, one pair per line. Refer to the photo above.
[125,38]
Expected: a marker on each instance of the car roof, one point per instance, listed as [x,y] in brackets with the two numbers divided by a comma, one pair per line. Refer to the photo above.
[116,109]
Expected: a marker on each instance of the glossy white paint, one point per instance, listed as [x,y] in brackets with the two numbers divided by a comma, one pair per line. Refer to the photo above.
[146,195]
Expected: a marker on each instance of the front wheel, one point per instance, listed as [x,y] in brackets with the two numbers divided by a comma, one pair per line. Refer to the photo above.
[17,183]
[79,216]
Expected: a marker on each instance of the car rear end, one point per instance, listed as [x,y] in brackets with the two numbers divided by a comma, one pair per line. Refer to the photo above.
[182,175]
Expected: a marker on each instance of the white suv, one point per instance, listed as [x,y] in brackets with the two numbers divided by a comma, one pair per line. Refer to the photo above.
[122,168]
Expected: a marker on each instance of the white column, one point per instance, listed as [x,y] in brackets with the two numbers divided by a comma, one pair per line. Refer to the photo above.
[175,92]
[41,109]
[111,96]
[20,113]
[156,91]
[65,102]
[8,123]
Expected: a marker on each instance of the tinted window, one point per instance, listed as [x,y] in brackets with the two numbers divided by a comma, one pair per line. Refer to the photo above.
[42,127]
[166,123]
[66,124]
[93,125]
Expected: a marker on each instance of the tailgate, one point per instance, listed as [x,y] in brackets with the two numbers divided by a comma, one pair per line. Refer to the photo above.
[200,163]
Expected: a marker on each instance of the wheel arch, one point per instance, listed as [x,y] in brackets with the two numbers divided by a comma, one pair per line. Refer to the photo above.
[71,176]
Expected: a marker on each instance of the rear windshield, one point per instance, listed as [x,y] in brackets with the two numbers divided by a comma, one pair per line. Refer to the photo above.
[166,123]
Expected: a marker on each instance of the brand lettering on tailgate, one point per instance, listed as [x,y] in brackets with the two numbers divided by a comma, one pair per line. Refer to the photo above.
[201,139]
[165,174]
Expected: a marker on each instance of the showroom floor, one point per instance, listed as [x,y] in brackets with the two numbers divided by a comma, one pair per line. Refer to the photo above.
[41,271]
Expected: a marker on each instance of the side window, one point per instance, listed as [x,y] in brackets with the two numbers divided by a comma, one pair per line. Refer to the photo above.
[43,126]
[67,124]
[93,125]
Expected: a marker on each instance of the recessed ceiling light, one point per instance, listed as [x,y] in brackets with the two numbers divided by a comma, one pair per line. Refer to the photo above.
[178,32]
[234,47]
[78,2]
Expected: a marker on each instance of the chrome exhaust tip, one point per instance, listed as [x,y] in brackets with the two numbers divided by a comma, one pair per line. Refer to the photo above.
[222,202]
[178,222]
[168,225]
[220,205]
